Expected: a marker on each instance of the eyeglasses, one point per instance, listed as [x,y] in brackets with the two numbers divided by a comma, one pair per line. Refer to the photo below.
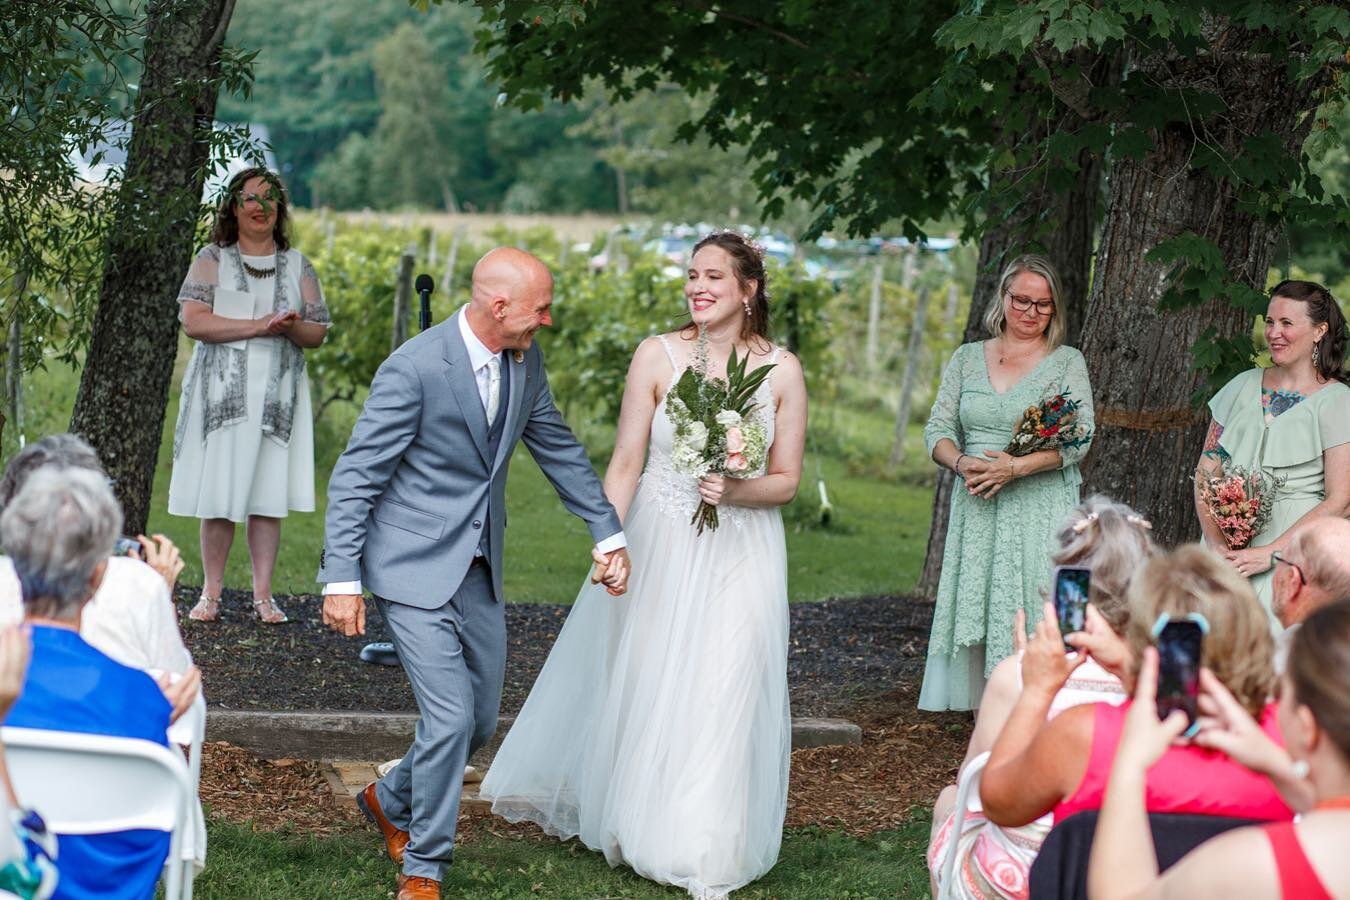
[1022,304]
[1275,557]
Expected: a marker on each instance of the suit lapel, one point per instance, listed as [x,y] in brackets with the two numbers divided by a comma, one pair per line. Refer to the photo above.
[517,366]
[464,387]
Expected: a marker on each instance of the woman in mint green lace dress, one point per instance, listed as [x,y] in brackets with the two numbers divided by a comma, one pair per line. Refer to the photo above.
[1292,419]
[1004,509]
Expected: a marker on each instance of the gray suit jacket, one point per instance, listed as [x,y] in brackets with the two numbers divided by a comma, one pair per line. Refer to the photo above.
[409,497]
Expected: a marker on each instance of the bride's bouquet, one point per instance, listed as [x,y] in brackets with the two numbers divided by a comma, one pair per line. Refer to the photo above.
[1052,424]
[714,431]
[1239,501]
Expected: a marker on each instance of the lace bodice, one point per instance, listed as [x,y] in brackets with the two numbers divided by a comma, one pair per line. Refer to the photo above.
[675,494]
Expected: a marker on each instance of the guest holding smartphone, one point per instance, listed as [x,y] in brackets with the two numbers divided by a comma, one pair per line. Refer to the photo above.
[1062,766]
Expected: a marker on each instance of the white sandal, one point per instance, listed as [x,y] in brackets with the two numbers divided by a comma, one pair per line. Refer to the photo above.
[268,612]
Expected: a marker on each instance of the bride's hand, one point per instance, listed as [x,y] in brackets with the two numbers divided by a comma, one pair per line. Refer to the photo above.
[712,488]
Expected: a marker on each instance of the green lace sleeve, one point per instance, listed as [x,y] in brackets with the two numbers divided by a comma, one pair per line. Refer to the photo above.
[944,420]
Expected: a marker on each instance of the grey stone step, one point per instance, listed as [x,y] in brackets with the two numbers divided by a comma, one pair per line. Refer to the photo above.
[330,736]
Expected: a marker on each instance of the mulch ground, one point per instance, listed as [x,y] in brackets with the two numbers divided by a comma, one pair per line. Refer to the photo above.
[858,659]
[904,760]
[841,651]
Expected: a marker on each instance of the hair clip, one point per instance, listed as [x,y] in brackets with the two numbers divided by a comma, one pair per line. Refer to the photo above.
[1165,618]
[1082,524]
[1139,521]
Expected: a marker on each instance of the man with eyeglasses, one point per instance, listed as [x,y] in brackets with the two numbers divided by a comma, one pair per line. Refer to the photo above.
[1310,573]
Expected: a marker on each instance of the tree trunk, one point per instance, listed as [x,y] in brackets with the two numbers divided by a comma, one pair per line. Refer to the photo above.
[1149,434]
[124,389]
[1068,246]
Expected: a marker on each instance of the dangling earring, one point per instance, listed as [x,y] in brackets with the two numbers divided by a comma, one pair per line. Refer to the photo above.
[1317,356]
[746,304]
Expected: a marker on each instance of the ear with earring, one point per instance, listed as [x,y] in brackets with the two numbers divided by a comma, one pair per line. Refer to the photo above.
[746,305]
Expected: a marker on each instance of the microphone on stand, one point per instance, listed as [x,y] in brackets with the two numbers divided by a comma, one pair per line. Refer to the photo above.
[383,653]
[424,286]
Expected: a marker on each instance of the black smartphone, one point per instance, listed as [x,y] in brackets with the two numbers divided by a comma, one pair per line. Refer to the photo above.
[1071,599]
[124,546]
[1179,647]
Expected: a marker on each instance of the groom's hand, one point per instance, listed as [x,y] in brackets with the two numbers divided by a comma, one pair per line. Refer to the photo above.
[612,569]
[345,613]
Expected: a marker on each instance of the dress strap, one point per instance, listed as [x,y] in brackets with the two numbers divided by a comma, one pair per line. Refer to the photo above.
[1297,876]
[670,351]
[670,355]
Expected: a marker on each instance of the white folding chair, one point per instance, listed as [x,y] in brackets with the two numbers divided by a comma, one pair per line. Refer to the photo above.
[190,731]
[969,781]
[92,784]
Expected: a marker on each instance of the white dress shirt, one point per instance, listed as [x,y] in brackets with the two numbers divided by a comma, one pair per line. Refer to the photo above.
[479,356]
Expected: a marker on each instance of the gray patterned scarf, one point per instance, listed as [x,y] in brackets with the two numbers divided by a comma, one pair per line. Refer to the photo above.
[217,375]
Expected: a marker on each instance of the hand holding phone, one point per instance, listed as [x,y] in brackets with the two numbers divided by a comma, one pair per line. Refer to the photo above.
[1071,600]
[128,546]
[1180,645]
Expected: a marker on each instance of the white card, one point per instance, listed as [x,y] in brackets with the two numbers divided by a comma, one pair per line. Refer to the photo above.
[232,304]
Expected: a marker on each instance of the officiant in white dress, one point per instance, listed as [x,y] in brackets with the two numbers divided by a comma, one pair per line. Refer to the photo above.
[658,731]
[243,448]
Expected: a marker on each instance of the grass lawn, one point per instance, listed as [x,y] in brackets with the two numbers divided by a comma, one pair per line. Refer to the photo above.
[814,865]
[873,546]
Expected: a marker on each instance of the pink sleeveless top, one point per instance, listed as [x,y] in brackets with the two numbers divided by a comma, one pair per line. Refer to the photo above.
[1185,779]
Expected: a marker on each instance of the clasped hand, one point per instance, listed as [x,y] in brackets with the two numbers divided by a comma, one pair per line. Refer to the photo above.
[1249,562]
[278,323]
[986,477]
[612,570]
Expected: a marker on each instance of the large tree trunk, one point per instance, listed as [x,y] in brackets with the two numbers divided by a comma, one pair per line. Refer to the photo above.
[1068,245]
[124,389]
[1149,434]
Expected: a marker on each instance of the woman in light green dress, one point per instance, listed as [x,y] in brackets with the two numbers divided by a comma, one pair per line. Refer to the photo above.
[1292,419]
[1005,509]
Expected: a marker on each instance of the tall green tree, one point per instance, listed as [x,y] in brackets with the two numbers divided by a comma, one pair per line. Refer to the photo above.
[415,162]
[1198,110]
[124,388]
[51,223]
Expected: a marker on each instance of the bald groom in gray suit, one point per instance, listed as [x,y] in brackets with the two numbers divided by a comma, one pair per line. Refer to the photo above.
[416,512]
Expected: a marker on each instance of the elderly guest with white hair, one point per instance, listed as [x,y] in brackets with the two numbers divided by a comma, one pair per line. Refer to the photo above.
[58,531]
[131,617]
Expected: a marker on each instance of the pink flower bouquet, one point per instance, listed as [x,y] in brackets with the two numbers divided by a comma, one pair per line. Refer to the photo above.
[1239,501]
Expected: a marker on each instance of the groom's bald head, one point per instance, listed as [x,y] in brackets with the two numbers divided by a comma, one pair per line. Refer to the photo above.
[511,298]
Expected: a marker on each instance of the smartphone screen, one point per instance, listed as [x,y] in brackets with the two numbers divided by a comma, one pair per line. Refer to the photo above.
[1179,646]
[1071,599]
[125,546]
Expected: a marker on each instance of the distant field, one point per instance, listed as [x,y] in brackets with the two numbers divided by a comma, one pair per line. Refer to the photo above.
[477,225]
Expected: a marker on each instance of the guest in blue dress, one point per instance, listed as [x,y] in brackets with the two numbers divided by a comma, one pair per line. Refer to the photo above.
[59,531]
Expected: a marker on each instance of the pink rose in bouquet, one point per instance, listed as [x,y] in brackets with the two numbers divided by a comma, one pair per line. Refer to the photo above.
[736,462]
[735,442]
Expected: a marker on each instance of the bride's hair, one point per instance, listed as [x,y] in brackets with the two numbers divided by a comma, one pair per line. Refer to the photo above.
[747,260]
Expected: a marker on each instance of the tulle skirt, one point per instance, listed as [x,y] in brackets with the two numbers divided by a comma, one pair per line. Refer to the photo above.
[658,731]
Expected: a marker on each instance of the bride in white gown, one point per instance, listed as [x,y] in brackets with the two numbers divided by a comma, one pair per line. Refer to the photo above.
[658,731]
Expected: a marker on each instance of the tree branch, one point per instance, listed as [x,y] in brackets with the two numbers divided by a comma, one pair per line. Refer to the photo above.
[753,23]
[218,36]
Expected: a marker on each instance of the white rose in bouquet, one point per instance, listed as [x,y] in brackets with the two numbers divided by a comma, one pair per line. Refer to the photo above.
[728,418]
[696,436]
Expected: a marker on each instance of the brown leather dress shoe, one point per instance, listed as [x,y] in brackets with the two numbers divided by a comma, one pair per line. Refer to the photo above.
[415,887]
[395,840]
